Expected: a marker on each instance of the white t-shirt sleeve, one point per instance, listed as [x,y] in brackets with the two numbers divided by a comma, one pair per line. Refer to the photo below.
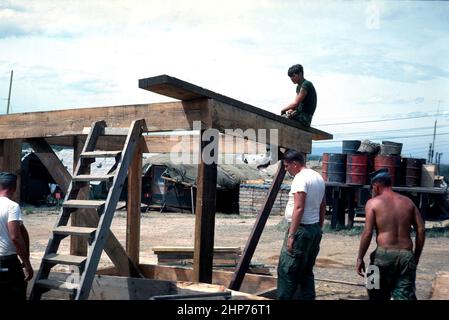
[298,185]
[14,213]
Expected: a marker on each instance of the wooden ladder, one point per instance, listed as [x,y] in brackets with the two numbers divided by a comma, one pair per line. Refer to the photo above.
[79,285]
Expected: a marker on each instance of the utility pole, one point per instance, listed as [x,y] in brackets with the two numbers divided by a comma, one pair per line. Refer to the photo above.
[9,95]
[434,132]
[429,155]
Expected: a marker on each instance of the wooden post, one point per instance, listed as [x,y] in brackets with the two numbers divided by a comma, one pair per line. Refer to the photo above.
[205,212]
[256,232]
[10,161]
[134,204]
[78,245]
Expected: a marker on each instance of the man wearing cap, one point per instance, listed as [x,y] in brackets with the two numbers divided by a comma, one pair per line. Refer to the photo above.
[392,270]
[14,243]
[304,213]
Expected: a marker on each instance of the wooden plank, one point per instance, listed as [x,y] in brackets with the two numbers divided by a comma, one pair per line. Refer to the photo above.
[205,214]
[75,231]
[10,161]
[228,117]
[134,204]
[167,116]
[252,283]
[164,143]
[113,247]
[191,249]
[182,90]
[64,259]
[114,288]
[256,232]
[95,204]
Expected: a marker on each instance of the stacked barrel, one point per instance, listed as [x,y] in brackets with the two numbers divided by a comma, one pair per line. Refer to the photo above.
[352,166]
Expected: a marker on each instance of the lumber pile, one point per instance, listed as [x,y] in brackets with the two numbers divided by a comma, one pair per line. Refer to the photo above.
[253,196]
[223,256]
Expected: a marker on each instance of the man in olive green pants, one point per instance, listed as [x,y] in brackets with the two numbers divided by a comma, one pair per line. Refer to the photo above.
[302,240]
[392,269]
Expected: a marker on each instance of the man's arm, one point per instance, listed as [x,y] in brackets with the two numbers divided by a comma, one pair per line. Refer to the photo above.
[365,239]
[298,99]
[298,211]
[322,211]
[21,243]
[420,229]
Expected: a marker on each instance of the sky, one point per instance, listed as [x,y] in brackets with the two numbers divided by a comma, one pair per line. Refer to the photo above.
[380,68]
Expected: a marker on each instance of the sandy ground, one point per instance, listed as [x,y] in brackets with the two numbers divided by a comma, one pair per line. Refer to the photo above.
[335,261]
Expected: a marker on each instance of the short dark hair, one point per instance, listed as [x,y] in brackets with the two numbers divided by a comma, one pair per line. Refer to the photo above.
[383,178]
[8,181]
[293,155]
[295,69]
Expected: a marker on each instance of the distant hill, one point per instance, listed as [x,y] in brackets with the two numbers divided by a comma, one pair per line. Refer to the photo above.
[318,151]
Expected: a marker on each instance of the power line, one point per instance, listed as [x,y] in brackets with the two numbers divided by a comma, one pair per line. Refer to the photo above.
[392,130]
[380,120]
[380,138]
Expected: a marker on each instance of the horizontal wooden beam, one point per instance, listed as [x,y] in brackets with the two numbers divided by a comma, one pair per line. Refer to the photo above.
[182,90]
[169,143]
[224,118]
[158,116]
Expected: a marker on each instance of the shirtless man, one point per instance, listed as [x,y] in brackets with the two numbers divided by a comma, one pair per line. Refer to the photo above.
[392,215]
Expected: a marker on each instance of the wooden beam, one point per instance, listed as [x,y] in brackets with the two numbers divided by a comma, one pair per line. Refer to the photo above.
[113,247]
[182,90]
[169,143]
[256,232]
[205,212]
[10,161]
[228,117]
[134,204]
[159,117]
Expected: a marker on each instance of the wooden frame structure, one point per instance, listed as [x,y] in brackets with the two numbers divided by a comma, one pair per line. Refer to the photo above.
[211,110]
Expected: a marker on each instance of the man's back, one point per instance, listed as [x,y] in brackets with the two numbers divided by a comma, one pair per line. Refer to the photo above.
[394,217]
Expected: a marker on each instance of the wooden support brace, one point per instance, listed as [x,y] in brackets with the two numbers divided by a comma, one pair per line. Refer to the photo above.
[256,232]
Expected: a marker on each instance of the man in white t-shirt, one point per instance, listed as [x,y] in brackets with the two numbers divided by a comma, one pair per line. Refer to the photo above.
[14,242]
[304,213]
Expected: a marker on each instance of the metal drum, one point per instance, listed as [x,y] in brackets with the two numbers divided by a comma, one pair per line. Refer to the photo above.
[334,167]
[393,164]
[411,171]
[357,169]
[351,146]
[390,148]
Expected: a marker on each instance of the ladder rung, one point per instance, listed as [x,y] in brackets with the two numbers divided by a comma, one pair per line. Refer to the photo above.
[83,204]
[74,231]
[64,259]
[87,177]
[57,285]
[100,154]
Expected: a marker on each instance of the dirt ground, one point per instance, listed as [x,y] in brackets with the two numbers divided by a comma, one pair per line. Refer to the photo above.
[335,261]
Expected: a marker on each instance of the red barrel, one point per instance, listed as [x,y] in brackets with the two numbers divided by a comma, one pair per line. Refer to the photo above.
[392,163]
[357,169]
